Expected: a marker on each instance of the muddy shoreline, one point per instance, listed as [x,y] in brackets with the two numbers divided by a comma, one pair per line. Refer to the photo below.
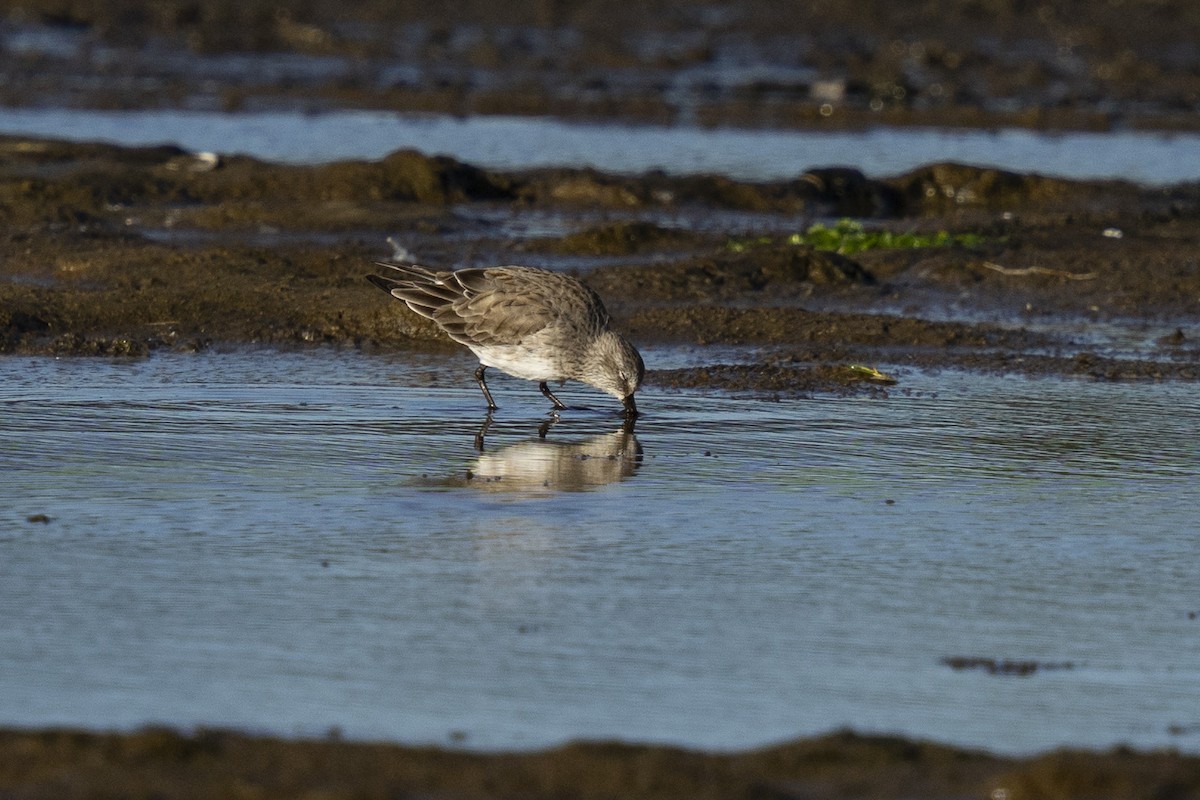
[1064,65]
[115,251]
[167,764]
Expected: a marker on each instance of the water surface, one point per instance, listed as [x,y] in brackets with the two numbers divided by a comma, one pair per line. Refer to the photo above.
[499,142]
[294,542]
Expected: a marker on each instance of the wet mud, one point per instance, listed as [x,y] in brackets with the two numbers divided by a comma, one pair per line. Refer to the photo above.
[116,251]
[1066,64]
[165,764]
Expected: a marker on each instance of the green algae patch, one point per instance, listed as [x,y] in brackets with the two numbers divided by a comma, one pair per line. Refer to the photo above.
[847,237]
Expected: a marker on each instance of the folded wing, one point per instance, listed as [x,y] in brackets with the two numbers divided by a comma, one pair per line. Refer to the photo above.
[494,305]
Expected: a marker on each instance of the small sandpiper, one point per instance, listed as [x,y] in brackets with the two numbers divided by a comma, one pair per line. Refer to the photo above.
[529,322]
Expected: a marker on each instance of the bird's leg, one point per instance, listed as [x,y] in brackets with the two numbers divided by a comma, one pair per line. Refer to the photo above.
[558,404]
[483,429]
[544,428]
[483,385]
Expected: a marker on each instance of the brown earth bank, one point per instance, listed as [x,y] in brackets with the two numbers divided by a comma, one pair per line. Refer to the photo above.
[120,251]
[164,764]
[755,63]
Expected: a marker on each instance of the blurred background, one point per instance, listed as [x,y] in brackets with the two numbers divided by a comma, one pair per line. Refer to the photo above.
[758,63]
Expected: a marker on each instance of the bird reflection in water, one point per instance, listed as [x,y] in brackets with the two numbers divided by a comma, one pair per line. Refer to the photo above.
[542,465]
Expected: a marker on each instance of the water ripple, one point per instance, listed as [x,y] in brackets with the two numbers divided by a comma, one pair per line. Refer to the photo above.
[289,541]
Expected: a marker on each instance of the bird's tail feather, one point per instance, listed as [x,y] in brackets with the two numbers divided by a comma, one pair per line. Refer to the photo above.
[422,290]
[387,284]
[411,271]
[406,277]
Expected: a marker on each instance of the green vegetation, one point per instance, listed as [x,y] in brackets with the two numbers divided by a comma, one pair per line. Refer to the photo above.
[848,236]
[861,372]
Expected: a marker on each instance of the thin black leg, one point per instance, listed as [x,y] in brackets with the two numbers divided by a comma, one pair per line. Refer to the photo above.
[483,429]
[558,404]
[483,385]
[545,427]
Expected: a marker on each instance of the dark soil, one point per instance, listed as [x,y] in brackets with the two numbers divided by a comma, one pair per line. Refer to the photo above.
[120,251]
[66,765]
[979,63]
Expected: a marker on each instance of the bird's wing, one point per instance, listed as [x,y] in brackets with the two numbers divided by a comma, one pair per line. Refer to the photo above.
[507,305]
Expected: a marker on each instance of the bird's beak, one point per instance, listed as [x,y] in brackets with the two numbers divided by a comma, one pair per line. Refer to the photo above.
[630,407]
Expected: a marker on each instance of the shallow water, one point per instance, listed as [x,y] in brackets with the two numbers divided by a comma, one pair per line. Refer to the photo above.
[526,142]
[295,542]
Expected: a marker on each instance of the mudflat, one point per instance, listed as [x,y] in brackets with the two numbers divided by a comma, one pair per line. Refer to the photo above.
[975,63]
[219,764]
[121,251]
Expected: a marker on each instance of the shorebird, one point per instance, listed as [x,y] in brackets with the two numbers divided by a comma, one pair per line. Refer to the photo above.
[528,322]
